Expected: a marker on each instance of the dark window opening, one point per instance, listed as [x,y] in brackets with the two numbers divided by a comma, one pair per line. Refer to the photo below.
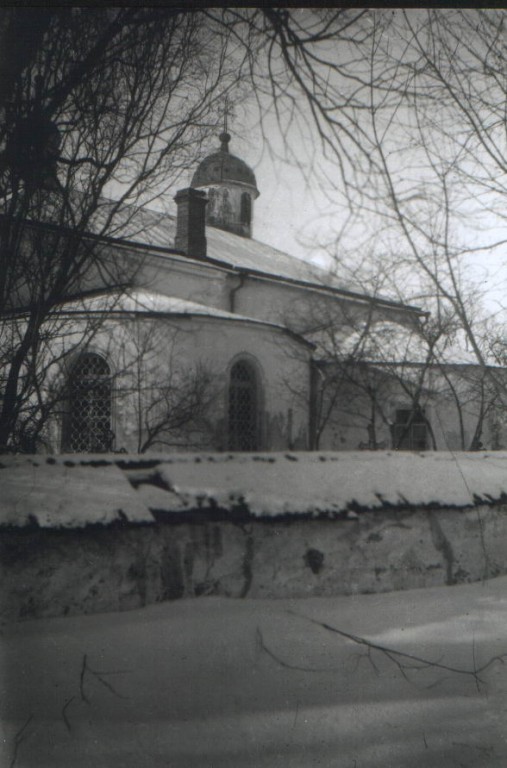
[88,427]
[212,199]
[411,430]
[246,209]
[243,408]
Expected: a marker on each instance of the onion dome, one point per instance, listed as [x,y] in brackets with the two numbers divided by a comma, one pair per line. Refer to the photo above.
[222,168]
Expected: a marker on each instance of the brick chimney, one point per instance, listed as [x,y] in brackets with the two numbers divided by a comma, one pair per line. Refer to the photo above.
[190,222]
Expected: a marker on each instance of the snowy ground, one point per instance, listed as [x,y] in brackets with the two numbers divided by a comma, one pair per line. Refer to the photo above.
[223,683]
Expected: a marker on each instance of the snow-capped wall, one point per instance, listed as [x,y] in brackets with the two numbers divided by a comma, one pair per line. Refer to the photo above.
[325,484]
[84,534]
[53,493]
[73,490]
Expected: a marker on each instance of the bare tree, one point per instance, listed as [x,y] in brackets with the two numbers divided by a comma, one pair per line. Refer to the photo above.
[120,101]
[109,96]
[168,397]
[414,220]
[433,201]
[389,376]
[363,367]
[435,194]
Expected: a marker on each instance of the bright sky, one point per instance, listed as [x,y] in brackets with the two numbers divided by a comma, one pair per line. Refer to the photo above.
[286,202]
[294,209]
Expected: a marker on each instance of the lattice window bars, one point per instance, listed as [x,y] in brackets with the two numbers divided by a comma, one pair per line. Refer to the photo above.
[243,432]
[89,420]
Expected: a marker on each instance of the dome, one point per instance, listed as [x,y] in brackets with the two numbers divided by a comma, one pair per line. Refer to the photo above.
[222,167]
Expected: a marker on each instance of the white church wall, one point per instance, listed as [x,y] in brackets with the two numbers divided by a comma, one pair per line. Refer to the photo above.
[176,276]
[302,308]
[167,273]
[453,420]
[283,419]
[156,360]
[465,404]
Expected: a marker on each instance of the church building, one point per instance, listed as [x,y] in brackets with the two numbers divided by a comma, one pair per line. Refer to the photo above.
[212,343]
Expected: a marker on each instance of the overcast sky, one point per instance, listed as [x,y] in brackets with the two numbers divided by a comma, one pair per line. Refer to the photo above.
[294,210]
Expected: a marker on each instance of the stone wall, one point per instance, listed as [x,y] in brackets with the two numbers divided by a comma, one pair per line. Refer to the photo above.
[48,572]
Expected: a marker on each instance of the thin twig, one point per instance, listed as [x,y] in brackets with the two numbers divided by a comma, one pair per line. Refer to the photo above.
[81,680]
[85,668]
[64,712]
[393,654]
[286,664]
[108,686]
[19,738]
[398,658]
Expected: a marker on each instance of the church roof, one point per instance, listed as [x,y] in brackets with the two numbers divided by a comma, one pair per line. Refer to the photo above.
[145,226]
[142,301]
[222,167]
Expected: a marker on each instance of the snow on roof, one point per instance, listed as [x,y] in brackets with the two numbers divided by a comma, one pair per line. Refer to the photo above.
[378,342]
[142,301]
[64,493]
[387,343]
[77,490]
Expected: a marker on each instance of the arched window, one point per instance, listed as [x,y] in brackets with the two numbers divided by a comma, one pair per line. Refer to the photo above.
[212,201]
[88,427]
[246,209]
[243,408]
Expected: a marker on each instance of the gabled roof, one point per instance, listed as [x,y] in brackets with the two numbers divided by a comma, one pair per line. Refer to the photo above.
[145,226]
[116,222]
[148,227]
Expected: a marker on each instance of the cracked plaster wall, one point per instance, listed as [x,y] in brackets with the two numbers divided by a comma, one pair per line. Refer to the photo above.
[56,573]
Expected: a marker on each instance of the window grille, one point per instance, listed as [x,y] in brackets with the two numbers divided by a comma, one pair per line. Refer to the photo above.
[411,430]
[243,432]
[89,417]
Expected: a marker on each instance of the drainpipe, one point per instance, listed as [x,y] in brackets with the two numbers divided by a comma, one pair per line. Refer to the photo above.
[235,288]
[316,377]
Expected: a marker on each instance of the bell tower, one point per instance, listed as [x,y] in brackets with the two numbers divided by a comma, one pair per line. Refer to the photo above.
[231,188]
